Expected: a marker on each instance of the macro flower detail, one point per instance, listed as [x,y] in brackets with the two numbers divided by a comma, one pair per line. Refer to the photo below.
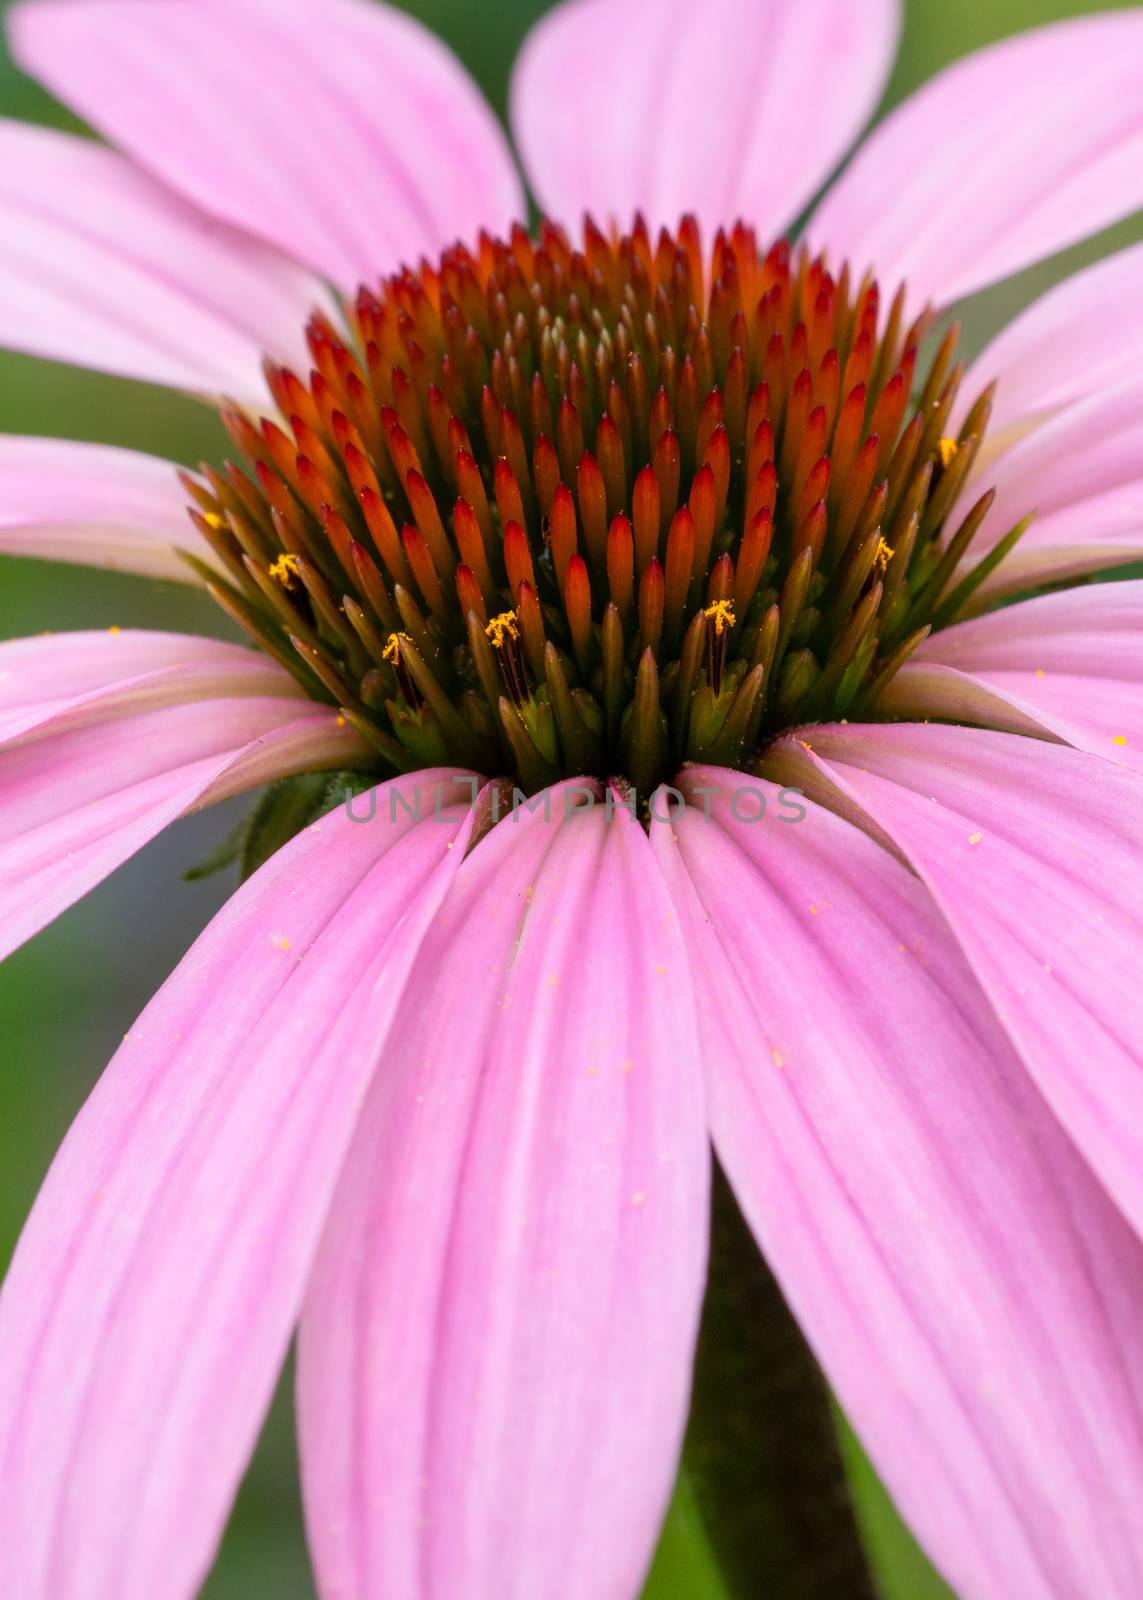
[753,539]
[737,757]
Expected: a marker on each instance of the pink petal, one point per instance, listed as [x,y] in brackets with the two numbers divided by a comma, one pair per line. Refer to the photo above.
[733,109]
[77,804]
[1083,336]
[152,1296]
[1032,852]
[1082,474]
[495,1351]
[62,680]
[346,134]
[1004,158]
[971,1292]
[1067,664]
[91,503]
[104,267]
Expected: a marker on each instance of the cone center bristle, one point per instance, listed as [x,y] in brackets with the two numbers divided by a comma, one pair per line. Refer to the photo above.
[549,511]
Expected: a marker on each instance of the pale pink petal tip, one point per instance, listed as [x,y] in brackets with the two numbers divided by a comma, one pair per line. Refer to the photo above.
[104,267]
[92,790]
[346,134]
[1002,159]
[104,507]
[1083,337]
[612,105]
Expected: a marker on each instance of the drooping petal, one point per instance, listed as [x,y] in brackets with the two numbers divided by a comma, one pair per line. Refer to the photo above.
[1006,156]
[970,1290]
[104,267]
[152,1296]
[1083,336]
[1068,665]
[1082,474]
[1032,852]
[59,681]
[495,1351]
[345,133]
[75,805]
[104,507]
[733,109]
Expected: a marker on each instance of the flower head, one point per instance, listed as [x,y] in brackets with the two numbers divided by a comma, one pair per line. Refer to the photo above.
[644,584]
[630,447]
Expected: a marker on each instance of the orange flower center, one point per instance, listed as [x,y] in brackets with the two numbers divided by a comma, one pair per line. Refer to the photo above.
[548,511]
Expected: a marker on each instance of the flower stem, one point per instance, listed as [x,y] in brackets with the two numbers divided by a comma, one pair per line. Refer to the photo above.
[761,1451]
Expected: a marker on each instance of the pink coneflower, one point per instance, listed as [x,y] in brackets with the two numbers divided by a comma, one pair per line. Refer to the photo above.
[583,512]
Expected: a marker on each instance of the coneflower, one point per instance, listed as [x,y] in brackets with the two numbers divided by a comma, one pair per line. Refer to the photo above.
[644,585]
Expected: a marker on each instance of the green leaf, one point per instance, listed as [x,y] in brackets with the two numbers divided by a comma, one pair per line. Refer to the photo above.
[283,811]
[224,854]
[903,1573]
[684,1567]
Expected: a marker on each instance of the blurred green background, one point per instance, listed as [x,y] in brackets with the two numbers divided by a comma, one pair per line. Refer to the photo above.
[68,997]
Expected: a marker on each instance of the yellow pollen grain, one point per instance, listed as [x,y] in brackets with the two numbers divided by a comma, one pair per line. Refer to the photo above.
[721,613]
[638,1197]
[392,650]
[975,838]
[628,1066]
[1119,739]
[660,971]
[279,941]
[502,628]
[285,569]
[947,449]
[115,628]
[1039,672]
[778,1059]
[884,555]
